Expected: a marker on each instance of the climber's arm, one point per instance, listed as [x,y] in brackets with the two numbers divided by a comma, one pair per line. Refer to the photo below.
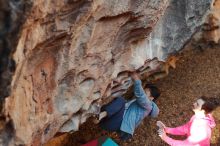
[139,92]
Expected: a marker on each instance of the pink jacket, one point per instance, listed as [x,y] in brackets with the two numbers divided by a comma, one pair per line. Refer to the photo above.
[198,131]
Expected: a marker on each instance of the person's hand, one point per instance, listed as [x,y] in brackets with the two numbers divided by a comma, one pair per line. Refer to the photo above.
[134,75]
[161,125]
[161,133]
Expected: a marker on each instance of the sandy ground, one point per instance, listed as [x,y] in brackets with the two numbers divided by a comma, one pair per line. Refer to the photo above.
[197,74]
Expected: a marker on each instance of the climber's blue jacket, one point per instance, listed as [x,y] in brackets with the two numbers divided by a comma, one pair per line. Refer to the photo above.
[137,109]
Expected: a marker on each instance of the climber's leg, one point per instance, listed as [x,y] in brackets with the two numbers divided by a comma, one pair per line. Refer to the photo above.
[115,112]
[114,106]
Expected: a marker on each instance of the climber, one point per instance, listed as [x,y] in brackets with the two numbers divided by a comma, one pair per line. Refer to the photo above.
[124,117]
[197,130]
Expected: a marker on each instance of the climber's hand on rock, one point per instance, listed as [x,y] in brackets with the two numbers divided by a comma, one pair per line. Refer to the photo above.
[134,75]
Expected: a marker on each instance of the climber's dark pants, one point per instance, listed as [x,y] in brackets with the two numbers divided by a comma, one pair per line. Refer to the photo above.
[115,111]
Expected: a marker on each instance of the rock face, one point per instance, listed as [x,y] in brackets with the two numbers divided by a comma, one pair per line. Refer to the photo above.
[175,28]
[12,15]
[73,55]
[210,30]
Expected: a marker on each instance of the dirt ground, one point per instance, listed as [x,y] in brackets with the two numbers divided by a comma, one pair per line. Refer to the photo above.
[197,73]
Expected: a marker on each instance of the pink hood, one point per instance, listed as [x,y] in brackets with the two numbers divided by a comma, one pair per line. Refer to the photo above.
[210,120]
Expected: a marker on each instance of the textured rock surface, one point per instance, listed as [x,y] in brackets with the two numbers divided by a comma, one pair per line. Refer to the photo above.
[176,27]
[12,15]
[73,53]
[210,30]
